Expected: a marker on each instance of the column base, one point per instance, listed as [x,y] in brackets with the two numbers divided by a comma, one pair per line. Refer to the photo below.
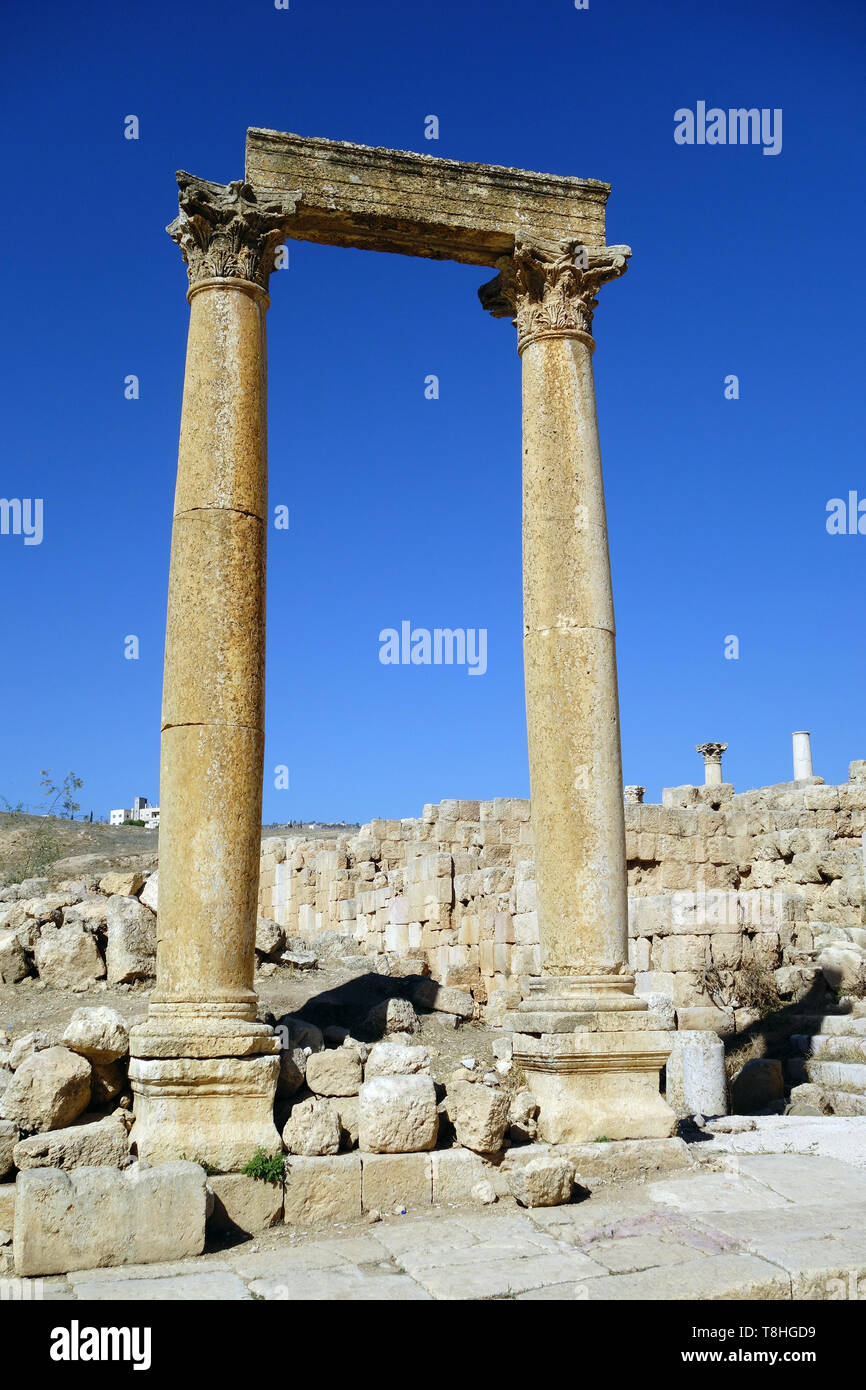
[211,1110]
[598,1082]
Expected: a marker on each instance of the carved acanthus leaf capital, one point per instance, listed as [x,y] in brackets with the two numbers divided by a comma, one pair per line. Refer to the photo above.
[551,293]
[711,752]
[225,231]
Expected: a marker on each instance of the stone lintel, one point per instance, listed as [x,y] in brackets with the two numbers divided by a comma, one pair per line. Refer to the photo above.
[418,204]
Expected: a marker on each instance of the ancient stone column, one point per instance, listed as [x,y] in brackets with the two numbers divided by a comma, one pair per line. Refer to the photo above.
[712,756]
[802,755]
[593,1050]
[203,1069]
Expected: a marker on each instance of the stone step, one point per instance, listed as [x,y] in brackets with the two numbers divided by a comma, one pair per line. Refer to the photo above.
[830,1076]
[843,1103]
[844,1025]
[825,1047]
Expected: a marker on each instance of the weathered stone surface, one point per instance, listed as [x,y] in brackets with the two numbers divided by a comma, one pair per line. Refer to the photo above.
[293,1070]
[443,999]
[270,937]
[456,1174]
[49,1090]
[104,1143]
[396,1181]
[335,1072]
[107,1081]
[348,1109]
[124,885]
[245,1205]
[322,1189]
[131,950]
[396,1059]
[7,1209]
[68,957]
[543,1182]
[149,894]
[398,1114]
[93,1217]
[9,1137]
[392,1016]
[14,965]
[313,1128]
[99,1034]
[696,1078]
[26,1045]
[522,1118]
[758,1083]
[479,1115]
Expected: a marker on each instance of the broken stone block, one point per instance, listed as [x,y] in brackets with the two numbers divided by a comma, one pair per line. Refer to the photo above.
[97,1217]
[336,1072]
[7,1208]
[392,1016]
[428,994]
[396,1059]
[543,1182]
[26,1045]
[313,1128]
[348,1109]
[99,1034]
[523,1118]
[124,885]
[107,1081]
[392,1182]
[104,1143]
[49,1090]
[149,894]
[479,1115]
[398,1114]
[131,951]
[696,1079]
[322,1190]
[270,937]
[68,957]
[245,1205]
[14,965]
[293,1069]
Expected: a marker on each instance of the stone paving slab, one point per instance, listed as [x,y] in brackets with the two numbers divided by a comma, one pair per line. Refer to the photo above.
[777,1227]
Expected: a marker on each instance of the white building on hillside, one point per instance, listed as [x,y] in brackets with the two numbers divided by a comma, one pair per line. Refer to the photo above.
[140,811]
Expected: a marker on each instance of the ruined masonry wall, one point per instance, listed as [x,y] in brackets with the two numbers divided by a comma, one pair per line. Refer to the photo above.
[716,879]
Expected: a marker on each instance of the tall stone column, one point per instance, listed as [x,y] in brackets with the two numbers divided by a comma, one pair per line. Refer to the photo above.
[593,1049]
[203,1069]
[712,756]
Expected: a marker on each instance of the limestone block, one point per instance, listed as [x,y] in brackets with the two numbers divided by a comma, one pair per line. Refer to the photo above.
[392,1016]
[696,1080]
[479,1115]
[99,1034]
[49,1090]
[758,1083]
[546,1181]
[348,1110]
[393,1181]
[270,937]
[131,951]
[125,885]
[727,950]
[26,1045]
[67,957]
[456,1172]
[104,1143]
[674,953]
[320,1190]
[396,1059]
[313,1128]
[7,1207]
[428,994]
[398,1114]
[9,1137]
[107,1081]
[844,968]
[335,1072]
[243,1206]
[14,965]
[96,1217]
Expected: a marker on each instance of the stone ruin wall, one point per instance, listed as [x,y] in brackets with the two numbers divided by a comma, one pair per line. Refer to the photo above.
[720,883]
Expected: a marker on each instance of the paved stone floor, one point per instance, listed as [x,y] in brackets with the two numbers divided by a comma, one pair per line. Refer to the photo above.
[755,1225]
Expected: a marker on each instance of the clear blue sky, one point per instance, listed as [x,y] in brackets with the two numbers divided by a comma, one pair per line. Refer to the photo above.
[407,508]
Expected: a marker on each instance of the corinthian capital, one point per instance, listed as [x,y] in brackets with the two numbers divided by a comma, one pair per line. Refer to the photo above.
[224,231]
[551,294]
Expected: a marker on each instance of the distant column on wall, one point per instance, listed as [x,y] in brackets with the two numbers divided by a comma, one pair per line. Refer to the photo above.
[712,756]
[802,741]
[633,796]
